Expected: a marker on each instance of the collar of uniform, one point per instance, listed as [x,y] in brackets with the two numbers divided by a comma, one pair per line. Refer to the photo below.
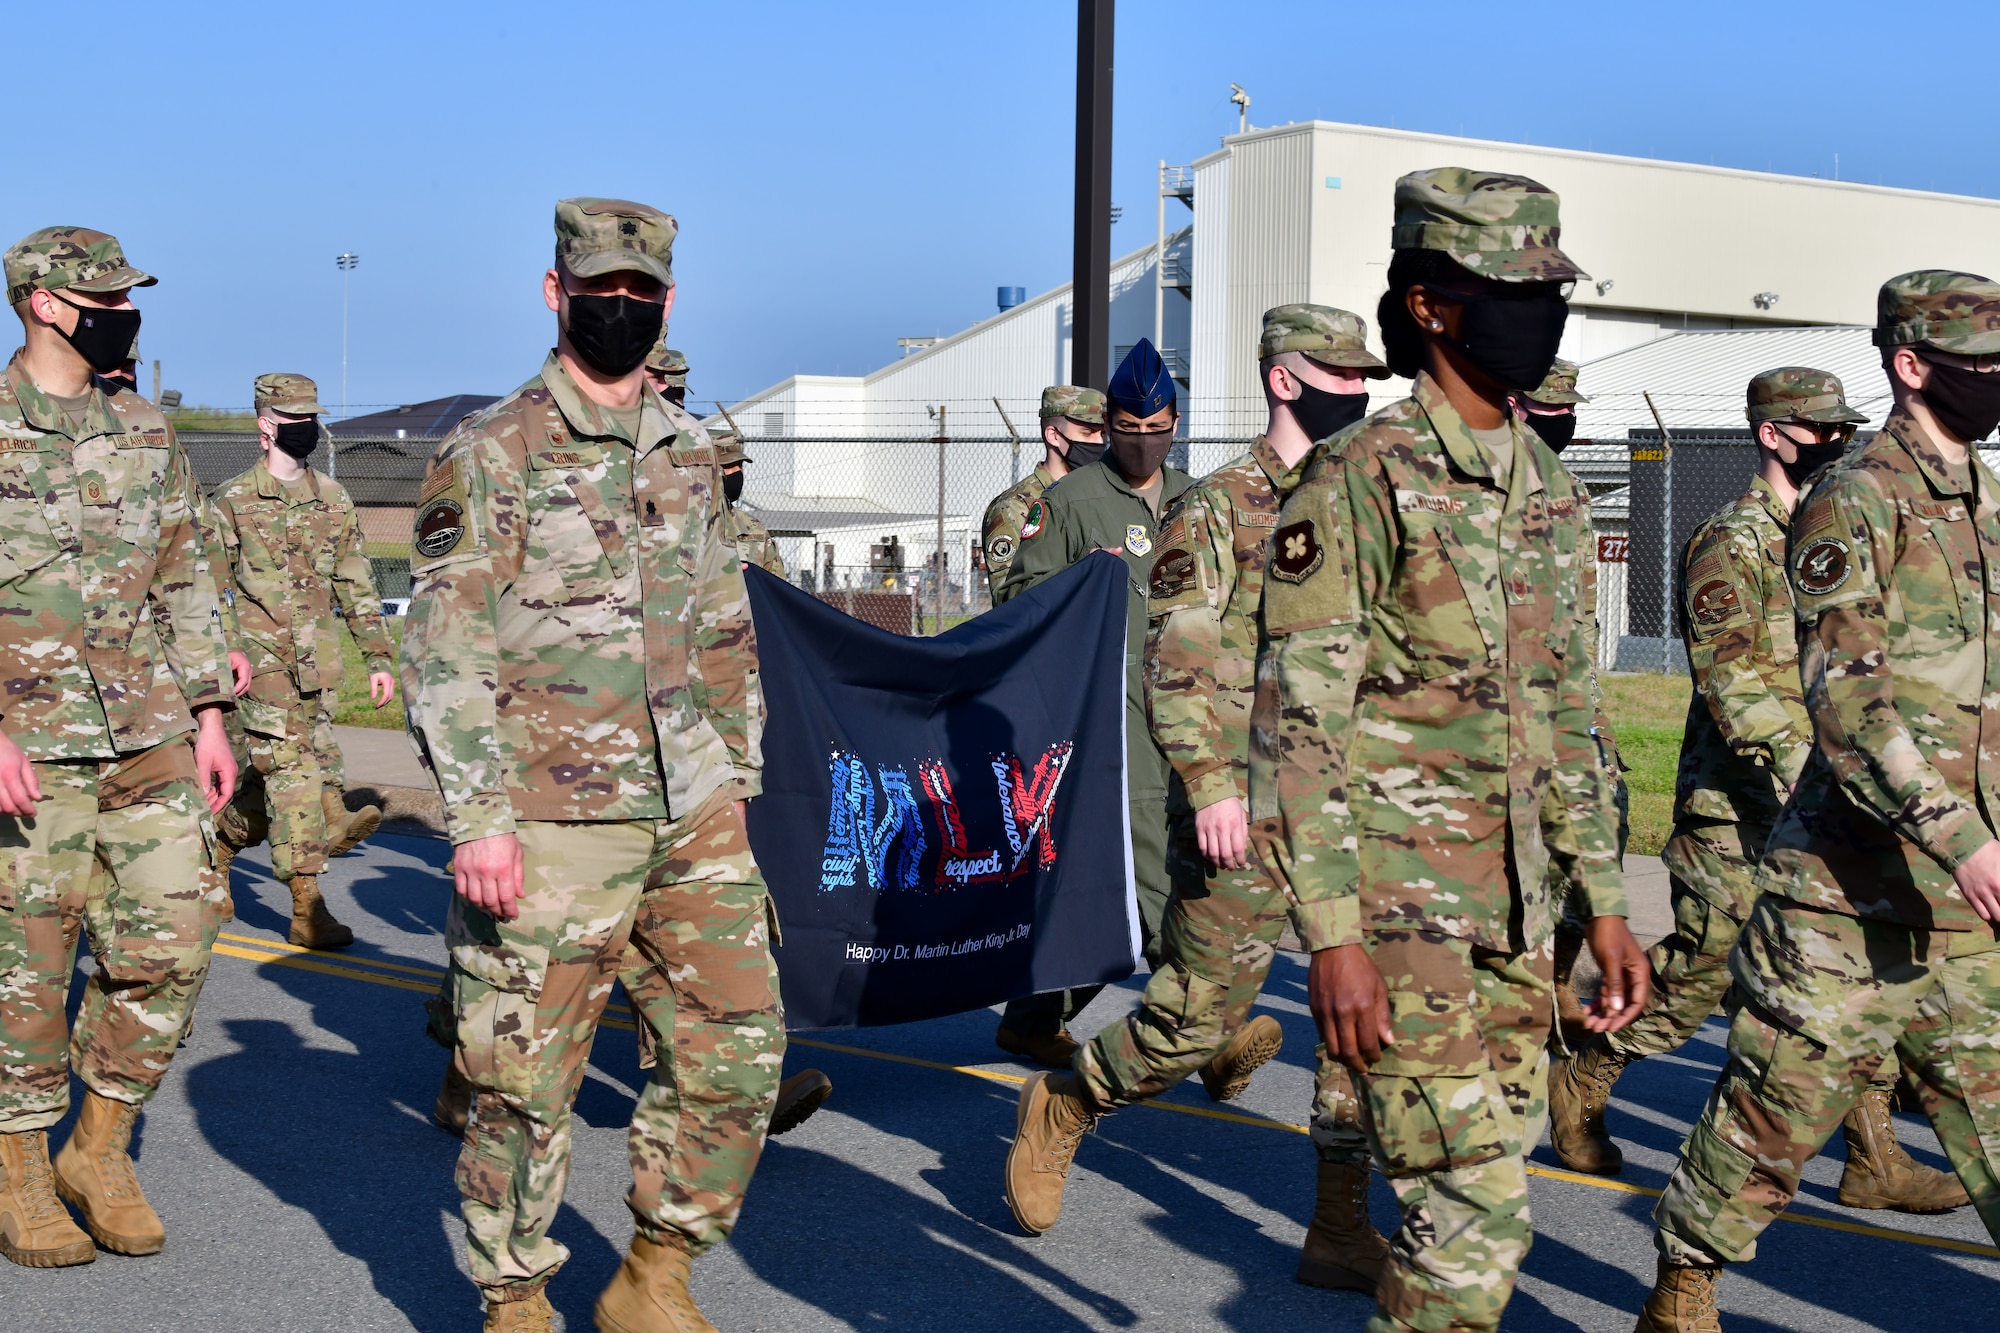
[1450,428]
[1767,496]
[270,488]
[588,420]
[39,410]
[1044,476]
[1946,478]
[1284,480]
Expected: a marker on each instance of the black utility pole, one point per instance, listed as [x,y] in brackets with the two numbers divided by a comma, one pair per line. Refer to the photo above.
[1090,293]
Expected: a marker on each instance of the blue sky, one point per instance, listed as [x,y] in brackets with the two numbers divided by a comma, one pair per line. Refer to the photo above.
[843,174]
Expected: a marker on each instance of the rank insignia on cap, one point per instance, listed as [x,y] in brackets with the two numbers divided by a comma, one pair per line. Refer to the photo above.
[1171,573]
[1036,520]
[1822,566]
[1136,540]
[1296,552]
[628,228]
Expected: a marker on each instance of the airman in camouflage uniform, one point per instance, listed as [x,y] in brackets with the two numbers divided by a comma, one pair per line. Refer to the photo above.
[1744,746]
[1098,508]
[752,538]
[1206,592]
[1083,409]
[1881,880]
[112,661]
[297,570]
[1431,748]
[581,675]
[667,372]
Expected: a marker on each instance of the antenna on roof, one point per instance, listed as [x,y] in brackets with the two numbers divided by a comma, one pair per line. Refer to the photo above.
[1241,100]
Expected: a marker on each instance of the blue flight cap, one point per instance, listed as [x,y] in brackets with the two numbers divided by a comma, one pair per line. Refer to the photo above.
[1141,384]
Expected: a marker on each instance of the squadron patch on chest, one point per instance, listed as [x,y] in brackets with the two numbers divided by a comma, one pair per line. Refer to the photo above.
[1137,540]
[1296,552]
[1715,603]
[1172,573]
[440,528]
[1822,566]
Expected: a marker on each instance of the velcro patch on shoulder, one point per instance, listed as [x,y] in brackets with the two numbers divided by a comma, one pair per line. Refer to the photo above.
[1823,565]
[444,526]
[1310,582]
[1173,574]
[1408,501]
[1037,520]
[1296,552]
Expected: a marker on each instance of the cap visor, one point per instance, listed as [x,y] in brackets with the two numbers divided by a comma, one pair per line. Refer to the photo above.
[117,280]
[1540,264]
[1365,362]
[1830,416]
[599,262]
[1984,343]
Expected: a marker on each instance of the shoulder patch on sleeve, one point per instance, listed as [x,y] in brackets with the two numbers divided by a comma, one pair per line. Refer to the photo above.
[443,526]
[1296,553]
[1173,574]
[1036,521]
[1827,560]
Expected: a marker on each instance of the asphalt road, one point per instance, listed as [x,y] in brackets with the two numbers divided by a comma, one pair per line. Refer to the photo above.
[303,1187]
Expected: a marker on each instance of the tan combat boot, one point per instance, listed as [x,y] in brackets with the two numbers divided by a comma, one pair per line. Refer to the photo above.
[94,1173]
[312,925]
[1343,1250]
[649,1293]
[35,1229]
[528,1314]
[1249,1049]
[1579,1090]
[798,1097]
[1682,1301]
[1055,1050]
[452,1111]
[1050,1120]
[346,829]
[1880,1174]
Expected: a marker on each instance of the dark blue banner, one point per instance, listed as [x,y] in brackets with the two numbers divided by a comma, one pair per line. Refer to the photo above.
[943,819]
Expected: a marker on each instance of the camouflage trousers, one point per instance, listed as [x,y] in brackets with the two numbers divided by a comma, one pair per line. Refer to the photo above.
[528,993]
[1821,1001]
[1452,1110]
[122,849]
[1217,941]
[288,756]
[1046,1014]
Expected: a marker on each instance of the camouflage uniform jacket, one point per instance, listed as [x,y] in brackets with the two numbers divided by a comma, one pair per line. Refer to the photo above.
[579,643]
[1895,564]
[113,634]
[1002,526]
[1432,651]
[1206,595]
[754,541]
[296,562]
[1747,734]
[1089,508]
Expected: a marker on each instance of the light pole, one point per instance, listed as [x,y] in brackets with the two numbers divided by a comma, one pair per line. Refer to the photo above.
[346,260]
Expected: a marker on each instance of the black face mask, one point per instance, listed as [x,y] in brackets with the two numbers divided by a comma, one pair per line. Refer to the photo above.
[1966,402]
[1513,338]
[1812,457]
[103,338]
[1080,453]
[677,395]
[732,485]
[1557,429]
[613,334]
[111,384]
[1139,453]
[1322,412]
[297,438]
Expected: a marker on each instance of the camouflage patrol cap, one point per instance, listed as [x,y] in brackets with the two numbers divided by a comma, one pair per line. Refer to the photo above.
[58,257]
[1799,393]
[596,236]
[1558,387]
[1329,336]
[664,360]
[1495,225]
[294,395]
[728,447]
[1953,312]
[1075,402]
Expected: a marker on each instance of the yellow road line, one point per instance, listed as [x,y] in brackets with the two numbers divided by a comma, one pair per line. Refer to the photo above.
[288,955]
[284,946]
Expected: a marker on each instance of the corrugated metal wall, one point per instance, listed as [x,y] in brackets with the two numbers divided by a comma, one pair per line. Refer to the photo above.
[1208,339]
[1270,250]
